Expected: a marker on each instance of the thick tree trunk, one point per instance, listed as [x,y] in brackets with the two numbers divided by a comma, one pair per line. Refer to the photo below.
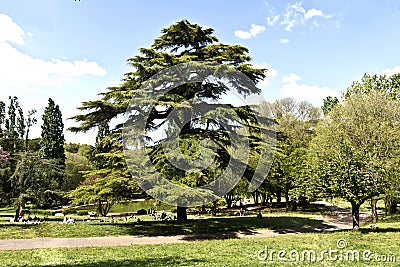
[181,213]
[374,212]
[391,206]
[279,196]
[355,214]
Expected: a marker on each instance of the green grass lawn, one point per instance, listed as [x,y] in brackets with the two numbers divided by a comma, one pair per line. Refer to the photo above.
[230,252]
[154,228]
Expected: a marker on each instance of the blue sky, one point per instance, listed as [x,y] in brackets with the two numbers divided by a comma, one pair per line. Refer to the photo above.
[70,50]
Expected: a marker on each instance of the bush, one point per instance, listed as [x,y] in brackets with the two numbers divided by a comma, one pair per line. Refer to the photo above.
[67,211]
[82,212]
[141,212]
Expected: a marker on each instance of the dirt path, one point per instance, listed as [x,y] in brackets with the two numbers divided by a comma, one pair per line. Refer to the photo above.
[342,216]
[341,221]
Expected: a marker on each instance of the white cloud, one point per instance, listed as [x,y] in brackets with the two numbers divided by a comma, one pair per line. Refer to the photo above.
[291,78]
[298,7]
[313,13]
[254,31]
[10,31]
[295,15]
[272,20]
[284,41]
[302,92]
[390,72]
[21,72]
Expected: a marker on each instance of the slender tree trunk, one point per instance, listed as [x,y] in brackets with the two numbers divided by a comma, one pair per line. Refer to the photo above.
[27,139]
[263,198]
[287,198]
[228,201]
[255,197]
[17,211]
[355,214]
[374,212]
[270,204]
[181,213]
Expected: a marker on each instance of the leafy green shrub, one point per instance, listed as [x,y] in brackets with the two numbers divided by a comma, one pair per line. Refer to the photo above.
[82,212]
[67,211]
[142,212]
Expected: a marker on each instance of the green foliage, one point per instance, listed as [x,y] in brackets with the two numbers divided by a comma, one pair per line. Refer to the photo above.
[375,83]
[34,180]
[389,85]
[329,104]
[14,138]
[179,43]
[355,149]
[294,124]
[52,135]
[72,147]
[103,190]
[70,210]
[75,167]
[82,212]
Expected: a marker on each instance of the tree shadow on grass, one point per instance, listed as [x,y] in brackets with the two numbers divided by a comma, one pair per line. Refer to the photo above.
[165,261]
[380,230]
[229,226]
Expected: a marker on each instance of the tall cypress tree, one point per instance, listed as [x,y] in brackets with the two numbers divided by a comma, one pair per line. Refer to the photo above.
[2,117]
[52,137]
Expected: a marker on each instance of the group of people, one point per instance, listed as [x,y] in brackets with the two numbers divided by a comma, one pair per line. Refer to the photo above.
[29,220]
[68,220]
[162,216]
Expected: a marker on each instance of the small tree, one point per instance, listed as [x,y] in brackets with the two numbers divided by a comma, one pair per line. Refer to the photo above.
[390,85]
[104,192]
[354,146]
[33,180]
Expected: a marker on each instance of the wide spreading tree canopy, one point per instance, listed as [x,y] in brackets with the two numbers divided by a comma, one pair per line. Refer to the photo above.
[355,148]
[190,114]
